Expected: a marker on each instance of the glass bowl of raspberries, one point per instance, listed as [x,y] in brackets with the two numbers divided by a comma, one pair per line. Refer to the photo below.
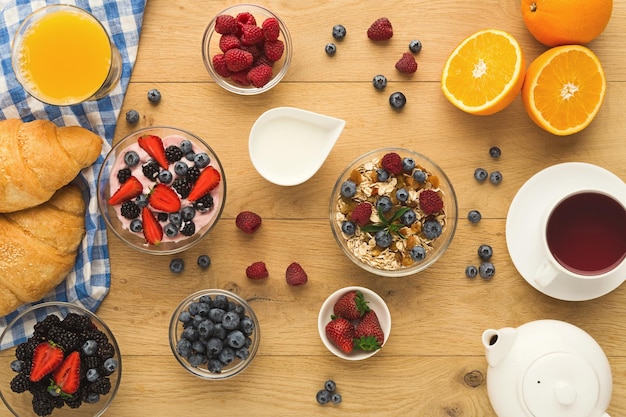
[393,212]
[214,334]
[60,359]
[247,49]
[161,190]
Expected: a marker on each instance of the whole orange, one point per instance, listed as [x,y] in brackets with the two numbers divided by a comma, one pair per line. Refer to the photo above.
[566,22]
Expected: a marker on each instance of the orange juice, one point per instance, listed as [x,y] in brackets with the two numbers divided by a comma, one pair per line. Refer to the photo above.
[64,57]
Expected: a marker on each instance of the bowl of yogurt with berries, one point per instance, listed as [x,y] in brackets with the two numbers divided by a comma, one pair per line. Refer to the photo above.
[393,212]
[161,190]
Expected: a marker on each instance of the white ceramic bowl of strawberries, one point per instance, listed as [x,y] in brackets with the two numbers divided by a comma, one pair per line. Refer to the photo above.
[354,323]
[247,49]
[179,195]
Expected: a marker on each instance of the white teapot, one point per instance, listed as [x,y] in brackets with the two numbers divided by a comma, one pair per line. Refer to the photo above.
[546,368]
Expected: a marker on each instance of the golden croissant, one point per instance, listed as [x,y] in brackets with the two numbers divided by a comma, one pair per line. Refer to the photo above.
[37,158]
[38,247]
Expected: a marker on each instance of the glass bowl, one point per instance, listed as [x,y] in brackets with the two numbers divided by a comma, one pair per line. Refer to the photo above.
[21,331]
[176,229]
[403,256]
[211,48]
[214,342]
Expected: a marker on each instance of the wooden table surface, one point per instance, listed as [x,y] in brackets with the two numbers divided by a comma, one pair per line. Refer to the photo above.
[433,364]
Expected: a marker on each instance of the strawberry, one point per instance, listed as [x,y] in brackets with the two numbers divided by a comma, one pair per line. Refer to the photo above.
[274,49]
[406,64]
[229,42]
[226,24]
[164,198]
[257,270]
[152,230]
[368,334]
[341,333]
[67,376]
[238,59]
[271,28]
[380,30]
[295,275]
[351,306]
[361,213]
[219,65]
[260,75]
[430,202]
[127,191]
[251,34]
[392,163]
[154,146]
[248,221]
[208,180]
[46,358]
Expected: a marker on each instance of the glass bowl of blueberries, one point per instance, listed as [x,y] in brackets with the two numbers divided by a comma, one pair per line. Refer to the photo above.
[393,212]
[161,190]
[58,358]
[214,334]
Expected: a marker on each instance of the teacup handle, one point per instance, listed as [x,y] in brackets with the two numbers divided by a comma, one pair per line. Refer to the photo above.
[545,274]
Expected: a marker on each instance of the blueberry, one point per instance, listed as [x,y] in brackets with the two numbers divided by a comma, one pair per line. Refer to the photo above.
[188,213]
[90,347]
[417,253]
[204,261]
[110,365]
[181,168]
[471,271]
[214,366]
[193,308]
[184,317]
[176,218]
[132,116]
[17,365]
[186,146]
[348,189]
[432,229]
[384,203]
[397,100]
[323,396]
[246,325]
[408,217]
[203,309]
[227,355]
[485,252]
[131,158]
[330,385]
[165,176]
[231,320]
[92,398]
[495,177]
[330,49]
[92,374]
[136,225]
[53,391]
[335,398]
[408,164]
[348,227]
[379,81]
[214,345]
[220,301]
[495,152]
[383,238]
[154,95]
[242,353]
[217,314]
[177,265]
[474,216]
[198,346]
[205,328]
[196,359]
[183,347]
[170,230]
[201,160]
[236,339]
[142,200]
[415,46]
[402,195]
[382,174]
[480,174]
[339,32]
[486,270]
[219,331]
[419,176]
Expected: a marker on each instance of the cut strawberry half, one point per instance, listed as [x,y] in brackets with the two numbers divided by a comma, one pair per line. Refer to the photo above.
[46,358]
[164,198]
[207,181]
[66,379]
[127,191]
[154,146]
[152,230]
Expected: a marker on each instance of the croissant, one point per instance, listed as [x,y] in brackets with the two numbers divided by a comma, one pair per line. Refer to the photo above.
[38,247]
[38,158]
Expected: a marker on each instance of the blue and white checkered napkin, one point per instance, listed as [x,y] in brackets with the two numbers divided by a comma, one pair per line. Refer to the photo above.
[89,281]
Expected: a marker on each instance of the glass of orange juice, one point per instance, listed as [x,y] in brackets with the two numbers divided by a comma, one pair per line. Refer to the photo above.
[62,55]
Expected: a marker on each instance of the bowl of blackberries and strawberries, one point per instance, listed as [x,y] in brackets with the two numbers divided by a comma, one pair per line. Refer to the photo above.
[161,190]
[58,359]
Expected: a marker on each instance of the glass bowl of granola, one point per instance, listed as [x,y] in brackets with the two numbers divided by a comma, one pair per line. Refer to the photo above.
[393,212]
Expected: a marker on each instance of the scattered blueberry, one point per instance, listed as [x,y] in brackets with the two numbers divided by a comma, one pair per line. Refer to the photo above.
[132,116]
[323,396]
[383,238]
[417,253]
[384,203]
[330,49]
[335,398]
[379,81]
[201,160]
[486,270]
[186,146]
[142,200]
[170,230]
[480,174]
[188,213]
[415,46]
[176,218]
[474,216]
[177,265]
[110,365]
[397,100]
[204,261]
[90,347]
[136,225]
[92,374]
[408,217]
[408,164]
[495,177]
[165,176]
[495,152]
[348,227]
[432,229]
[348,189]
[485,252]
[339,32]
[131,158]
[17,365]
[402,195]
[419,176]
[154,95]
[382,174]
[330,385]
[471,271]
[180,168]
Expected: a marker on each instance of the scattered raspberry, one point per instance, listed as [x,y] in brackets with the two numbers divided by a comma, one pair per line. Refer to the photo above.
[229,42]
[392,163]
[274,49]
[251,34]
[219,64]
[430,202]
[237,59]
[406,64]
[260,75]
[257,271]
[248,221]
[361,213]
[295,275]
[225,24]
[271,28]
[380,30]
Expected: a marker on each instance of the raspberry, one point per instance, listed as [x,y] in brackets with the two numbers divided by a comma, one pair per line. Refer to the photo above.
[380,30]
[274,49]
[251,34]
[392,163]
[248,221]
[257,271]
[430,202]
[271,28]
[219,65]
[295,275]
[361,213]
[225,24]
[229,42]
[241,78]
[254,50]
[238,59]
[246,18]
[406,64]
[260,75]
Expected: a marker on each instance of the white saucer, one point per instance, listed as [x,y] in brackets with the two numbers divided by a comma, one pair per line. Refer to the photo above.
[524,218]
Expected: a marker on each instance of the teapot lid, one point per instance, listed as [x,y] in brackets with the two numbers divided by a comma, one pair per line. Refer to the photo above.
[560,385]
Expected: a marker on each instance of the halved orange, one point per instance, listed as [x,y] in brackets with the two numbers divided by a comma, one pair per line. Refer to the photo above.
[484,73]
[564,89]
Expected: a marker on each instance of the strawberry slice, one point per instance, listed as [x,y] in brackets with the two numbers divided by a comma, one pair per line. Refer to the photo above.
[127,191]
[66,379]
[208,180]
[154,146]
[46,358]
[152,230]
[164,198]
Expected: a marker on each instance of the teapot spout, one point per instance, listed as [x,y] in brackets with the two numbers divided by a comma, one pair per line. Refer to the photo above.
[498,343]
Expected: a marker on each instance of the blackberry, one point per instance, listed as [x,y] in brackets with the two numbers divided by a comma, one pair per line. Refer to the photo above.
[173,154]
[74,401]
[24,351]
[46,324]
[101,386]
[20,383]
[151,170]
[91,362]
[68,340]
[162,217]
[96,335]
[192,174]
[77,322]
[105,351]
[130,210]
[188,229]
[43,403]
[182,187]
[123,175]
[205,203]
